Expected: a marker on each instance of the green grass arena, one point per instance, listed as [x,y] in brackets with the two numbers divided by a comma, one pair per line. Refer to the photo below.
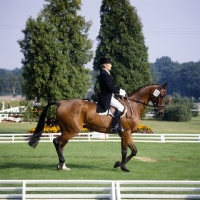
[95,161]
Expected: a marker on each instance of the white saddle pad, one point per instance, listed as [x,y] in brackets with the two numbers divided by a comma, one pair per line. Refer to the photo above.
[109,112]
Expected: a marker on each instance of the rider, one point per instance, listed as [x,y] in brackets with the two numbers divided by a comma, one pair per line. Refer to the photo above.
[106,94]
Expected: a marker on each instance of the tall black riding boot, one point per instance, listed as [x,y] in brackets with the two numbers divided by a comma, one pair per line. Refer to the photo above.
[115,123]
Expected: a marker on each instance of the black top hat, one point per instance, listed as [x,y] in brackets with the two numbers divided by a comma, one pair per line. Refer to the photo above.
[104,61]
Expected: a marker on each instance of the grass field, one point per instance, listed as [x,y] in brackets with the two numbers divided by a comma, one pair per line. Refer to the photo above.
[90,160]
[9,101]
[16,127]
[192,126]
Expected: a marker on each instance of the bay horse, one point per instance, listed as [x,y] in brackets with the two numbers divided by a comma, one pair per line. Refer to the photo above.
[74,114]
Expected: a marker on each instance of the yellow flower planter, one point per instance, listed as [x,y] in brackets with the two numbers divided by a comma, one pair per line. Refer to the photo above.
[55,129]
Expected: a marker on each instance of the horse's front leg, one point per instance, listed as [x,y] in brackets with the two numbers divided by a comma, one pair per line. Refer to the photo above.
[123,162]
[125,159]
[124,147]
[133,151]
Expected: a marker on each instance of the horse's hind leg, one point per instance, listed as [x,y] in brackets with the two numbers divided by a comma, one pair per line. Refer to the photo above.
[59,144]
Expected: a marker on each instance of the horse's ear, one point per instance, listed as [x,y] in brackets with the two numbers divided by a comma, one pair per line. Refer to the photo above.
[165,85]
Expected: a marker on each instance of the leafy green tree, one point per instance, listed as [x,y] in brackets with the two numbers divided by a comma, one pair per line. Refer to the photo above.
[154,73]
[56,48]
[12,83]
[29,114]
[177,99]
[168,71]
[4,75]
[178,108]
[190,79]
[19,79]
[183,79]
[1,83]
[178,113]
[121,38]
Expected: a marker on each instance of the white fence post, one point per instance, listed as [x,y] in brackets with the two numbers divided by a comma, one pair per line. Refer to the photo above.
[162,138]
[118,191]
[13,138]
[24,190]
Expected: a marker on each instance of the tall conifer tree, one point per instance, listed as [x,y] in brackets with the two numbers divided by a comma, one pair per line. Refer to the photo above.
[121,38]
[55,48]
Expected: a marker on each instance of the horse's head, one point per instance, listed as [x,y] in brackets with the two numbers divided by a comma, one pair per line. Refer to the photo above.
[158,98]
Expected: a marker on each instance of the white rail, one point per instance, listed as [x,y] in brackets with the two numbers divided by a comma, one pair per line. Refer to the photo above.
[57,189]
[99,137]
[98,189]
[14,109]
[157,189]
[7,117]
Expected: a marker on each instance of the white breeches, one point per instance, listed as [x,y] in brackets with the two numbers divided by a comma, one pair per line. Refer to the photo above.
[116,104]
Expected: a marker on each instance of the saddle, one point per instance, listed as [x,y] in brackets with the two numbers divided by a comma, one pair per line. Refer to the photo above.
[127,109]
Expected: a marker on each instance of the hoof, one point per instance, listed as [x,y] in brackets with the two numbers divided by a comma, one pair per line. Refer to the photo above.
[117,164]
[124,169]
[33,143]
[62,166]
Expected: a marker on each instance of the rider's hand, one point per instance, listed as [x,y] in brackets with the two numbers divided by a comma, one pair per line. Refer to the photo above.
[122,92]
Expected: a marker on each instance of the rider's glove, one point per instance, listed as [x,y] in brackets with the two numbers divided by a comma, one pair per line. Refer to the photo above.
[122,92]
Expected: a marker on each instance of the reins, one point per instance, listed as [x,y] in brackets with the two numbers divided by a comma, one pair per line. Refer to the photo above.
[146,104]
[137,101]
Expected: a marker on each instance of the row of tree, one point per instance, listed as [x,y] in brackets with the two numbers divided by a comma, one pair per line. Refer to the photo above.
[11,82]
[56,47]
[183,79]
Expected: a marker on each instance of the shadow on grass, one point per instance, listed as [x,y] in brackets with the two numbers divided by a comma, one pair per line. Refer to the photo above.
[22,165]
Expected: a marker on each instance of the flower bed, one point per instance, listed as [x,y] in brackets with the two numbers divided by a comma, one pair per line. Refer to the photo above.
[56,129]
[144,129]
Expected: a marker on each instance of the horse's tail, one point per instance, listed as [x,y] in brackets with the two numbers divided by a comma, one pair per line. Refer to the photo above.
[33,140]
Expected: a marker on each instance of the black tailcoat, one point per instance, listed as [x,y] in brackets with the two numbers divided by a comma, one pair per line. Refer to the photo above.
[107,88]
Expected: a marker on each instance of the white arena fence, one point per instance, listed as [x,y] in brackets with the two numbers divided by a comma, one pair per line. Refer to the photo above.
[10,118]
[101,137]
[99,189]
[7,114]
[14,110]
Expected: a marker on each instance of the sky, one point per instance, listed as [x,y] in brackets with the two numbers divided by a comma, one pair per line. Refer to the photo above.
[170,27]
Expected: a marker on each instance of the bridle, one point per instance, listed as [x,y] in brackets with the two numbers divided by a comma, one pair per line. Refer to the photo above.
[155,105]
